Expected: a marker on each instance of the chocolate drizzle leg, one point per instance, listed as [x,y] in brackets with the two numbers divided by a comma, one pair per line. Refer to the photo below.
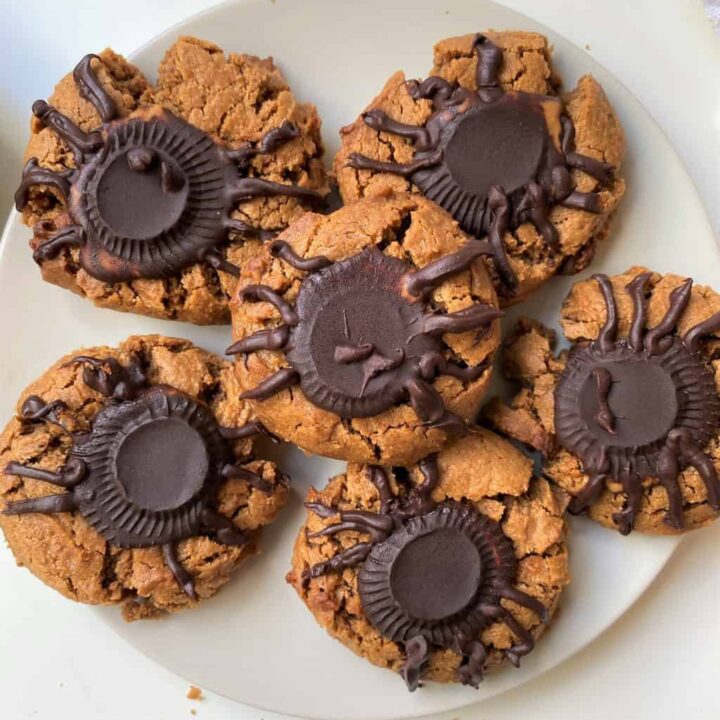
[430,575]
[471,672]
[492,159]
[33,174]
[281,249]
[80,142]
[421,282]
[416,655]
[279,381]
[69,236]
[604,416]
[343,359]
[35,409]
[182,576]
[151,194]
[91,89]
[251,429]
[642,406]
[147,471]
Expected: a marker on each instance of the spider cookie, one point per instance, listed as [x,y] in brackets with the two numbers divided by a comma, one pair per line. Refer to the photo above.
[488,137]
[368,334]
[627,419]
[440,572]
[128,477]
[147,198]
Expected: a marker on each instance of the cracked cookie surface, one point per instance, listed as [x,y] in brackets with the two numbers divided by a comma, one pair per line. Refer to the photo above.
[389,237]
[233,100]
[64,549]
[668,329]
[525,68]
[480,474]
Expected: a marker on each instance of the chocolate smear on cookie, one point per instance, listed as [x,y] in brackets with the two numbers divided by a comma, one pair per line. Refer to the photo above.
[150,194]
[642,406]
[147,471]
[431,576]
[493,159]
[362,337]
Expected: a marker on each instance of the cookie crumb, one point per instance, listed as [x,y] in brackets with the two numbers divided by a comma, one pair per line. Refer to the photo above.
[193,711]
[194,693]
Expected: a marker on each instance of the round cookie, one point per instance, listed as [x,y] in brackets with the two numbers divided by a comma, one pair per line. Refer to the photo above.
[439,572]
[489,138]
[128,477]
[368,334]
[628,419]
[148,198]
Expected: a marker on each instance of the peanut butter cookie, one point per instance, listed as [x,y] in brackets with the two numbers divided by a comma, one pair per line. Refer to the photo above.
[368,334]
[627,420]
[128,477]
[440,572]
[489,138]
[148,198]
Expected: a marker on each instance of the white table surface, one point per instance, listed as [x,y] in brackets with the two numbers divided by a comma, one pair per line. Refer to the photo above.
[660,661]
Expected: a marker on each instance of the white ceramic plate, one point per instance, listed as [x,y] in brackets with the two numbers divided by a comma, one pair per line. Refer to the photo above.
[255,642]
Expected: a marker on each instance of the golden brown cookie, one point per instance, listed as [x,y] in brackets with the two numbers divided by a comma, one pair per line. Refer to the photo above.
[440,572]
[489,137]
[627,419]
[147,198]
[368,334]
[128,476]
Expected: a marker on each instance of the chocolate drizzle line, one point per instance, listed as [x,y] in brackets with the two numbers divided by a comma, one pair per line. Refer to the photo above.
[150,194]
[360,338]
[281,249]
[493,159]
[604,416]
[642,406]
[35,409]
[147,472]
[431,575]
